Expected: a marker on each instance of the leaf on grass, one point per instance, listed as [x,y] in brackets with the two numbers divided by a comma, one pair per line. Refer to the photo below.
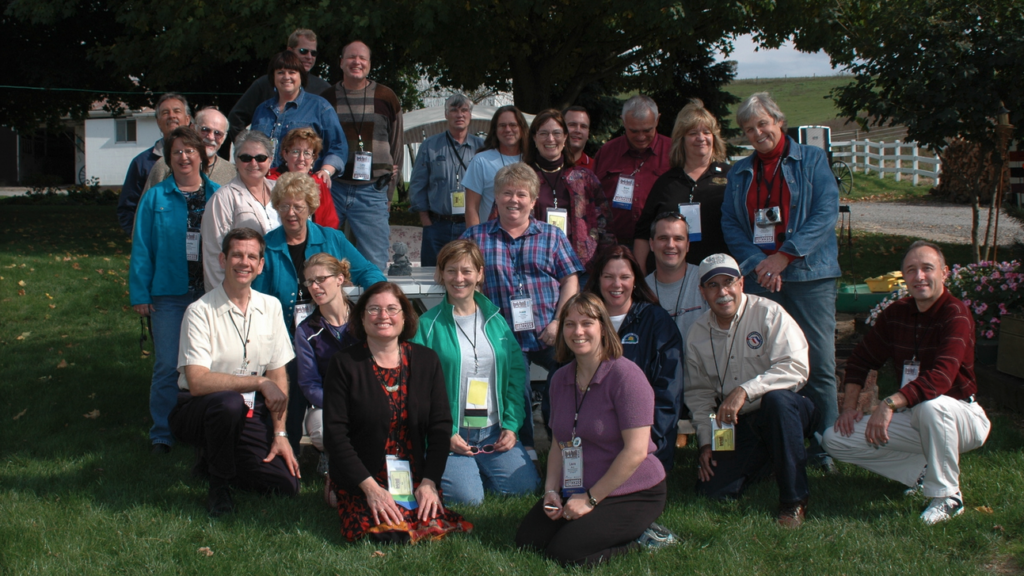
[63,364]
[377,554]
[99,271]
[984,509]
[92,415]
[76,266]
[48,296]
[21,292]
[20,414]
[53,306]
[145,353]
[111,245]
[23,336]
[999,528]
[205,551]
[21,283]
[45,378]
[92,396]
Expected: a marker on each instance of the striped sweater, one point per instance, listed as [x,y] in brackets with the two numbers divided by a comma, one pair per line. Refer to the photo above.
[374,115]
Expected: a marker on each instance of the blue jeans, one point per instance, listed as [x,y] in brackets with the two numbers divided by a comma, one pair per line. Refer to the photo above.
[508,473]
[545,359]
[813,305]
[769,439]
[366,208]
[168,312]
[435,236]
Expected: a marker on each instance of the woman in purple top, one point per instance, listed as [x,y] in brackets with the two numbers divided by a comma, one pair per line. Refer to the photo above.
[604,487]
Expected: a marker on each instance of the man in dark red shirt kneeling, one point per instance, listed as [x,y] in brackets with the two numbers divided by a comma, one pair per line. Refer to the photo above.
[915,436]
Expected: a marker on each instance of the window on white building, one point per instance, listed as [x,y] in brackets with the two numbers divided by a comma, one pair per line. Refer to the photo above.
[125,130]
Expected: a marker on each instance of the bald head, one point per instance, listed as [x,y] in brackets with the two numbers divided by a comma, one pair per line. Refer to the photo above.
[213,127]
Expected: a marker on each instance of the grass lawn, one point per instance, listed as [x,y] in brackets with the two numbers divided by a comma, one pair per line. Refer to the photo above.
[79,493]
[804,100]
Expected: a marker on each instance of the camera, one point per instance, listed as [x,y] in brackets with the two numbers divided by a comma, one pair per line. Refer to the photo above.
[773,215]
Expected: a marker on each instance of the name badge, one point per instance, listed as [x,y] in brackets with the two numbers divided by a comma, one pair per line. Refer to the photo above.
[400,482]
[911,370]
[363,167]
[624,193]
[572,470]
[193,244]
[475,415]
[764,237]
[248,397]
[691,211]
[558,217]
[302,311]
[522,314]
[723,438]
[458,202]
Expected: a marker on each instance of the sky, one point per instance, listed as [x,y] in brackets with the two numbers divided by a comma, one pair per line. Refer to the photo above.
[780,63]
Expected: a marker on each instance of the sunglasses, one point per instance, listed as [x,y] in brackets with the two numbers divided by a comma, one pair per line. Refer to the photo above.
[304,51]
[206,130]
[246,158]
[486,449]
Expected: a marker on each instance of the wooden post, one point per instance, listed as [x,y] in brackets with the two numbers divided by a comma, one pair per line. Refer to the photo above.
[916,165]
[899,149]
[881,159]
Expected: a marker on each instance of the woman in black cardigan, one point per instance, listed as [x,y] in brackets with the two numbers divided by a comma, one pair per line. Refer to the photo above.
[386,426]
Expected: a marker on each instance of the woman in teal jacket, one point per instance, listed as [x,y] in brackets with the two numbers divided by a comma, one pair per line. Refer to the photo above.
[166,271]
[295,197]
[484,372]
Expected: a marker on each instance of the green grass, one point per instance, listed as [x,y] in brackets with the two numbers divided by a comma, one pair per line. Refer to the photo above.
[803,100]
[82,495]
[874,189]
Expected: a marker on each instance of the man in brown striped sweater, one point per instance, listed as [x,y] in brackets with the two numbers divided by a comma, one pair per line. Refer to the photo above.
[371,116]
[916,435]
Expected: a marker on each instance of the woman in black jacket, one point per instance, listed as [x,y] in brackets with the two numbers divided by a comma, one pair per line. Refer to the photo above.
[649,338]
[387,424]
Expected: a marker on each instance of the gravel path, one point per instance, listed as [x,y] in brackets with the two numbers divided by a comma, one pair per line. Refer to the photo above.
[935,222]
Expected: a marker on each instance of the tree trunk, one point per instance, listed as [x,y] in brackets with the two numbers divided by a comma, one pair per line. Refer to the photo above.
[975,221]
[986,246]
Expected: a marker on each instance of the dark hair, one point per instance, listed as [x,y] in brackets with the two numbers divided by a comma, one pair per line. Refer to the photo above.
[355,324]
[242,234]
[669,215]
[575,108]
[589,305]
[925,244]
[286,60]
[188,137]
[641,291]
[531,152]
[491,142]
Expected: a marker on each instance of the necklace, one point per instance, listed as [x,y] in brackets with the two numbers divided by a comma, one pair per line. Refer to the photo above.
[401,372]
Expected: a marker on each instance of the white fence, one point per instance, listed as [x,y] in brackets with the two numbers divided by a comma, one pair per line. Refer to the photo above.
[883,158]
[887,158]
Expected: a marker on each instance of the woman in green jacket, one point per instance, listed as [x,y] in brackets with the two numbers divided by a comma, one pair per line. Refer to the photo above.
[484,372]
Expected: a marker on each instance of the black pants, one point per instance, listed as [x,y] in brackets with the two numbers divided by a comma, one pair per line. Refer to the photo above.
[607,531]
[233,446]
[769,439]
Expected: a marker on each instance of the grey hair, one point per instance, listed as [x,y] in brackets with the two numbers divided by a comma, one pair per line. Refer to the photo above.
[256,136]
[757,103]
[456,101]
[173,96]
[202,113]
[638,106]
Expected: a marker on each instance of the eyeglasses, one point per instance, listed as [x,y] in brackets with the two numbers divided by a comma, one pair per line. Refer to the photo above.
[246,158]
[317,280]
[715,285]
[556,133]
[304,51]
[206,130]
[304,153]
[184,152]
[485,449]
[391,310]
[298,208]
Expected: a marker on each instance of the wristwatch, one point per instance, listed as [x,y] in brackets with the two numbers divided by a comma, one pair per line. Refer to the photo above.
[591,500]
[281,434]
[888,402]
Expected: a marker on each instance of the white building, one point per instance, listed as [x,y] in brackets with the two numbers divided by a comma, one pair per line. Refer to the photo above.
[111,143]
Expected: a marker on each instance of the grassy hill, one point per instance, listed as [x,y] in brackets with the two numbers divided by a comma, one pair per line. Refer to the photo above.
[803,100]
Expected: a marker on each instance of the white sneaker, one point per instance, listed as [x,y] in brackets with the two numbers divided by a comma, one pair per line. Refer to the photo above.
[918,487]
[942,509]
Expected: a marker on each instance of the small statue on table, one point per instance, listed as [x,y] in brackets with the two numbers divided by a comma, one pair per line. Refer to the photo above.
[401,266]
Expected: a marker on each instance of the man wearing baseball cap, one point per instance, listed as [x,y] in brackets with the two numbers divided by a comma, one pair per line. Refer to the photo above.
[746,358]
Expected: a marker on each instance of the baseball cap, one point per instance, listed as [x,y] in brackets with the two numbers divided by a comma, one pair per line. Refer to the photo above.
[718,264]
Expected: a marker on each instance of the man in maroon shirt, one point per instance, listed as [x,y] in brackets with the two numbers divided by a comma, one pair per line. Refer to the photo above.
[915,436]
[629,165]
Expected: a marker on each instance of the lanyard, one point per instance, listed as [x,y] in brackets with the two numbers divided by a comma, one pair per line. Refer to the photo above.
[679,296]
[637,169]
[721,376]
[770,183]
[245,340]
[476,361]
[362,117]
[455,151]
[578,401]
[517,268]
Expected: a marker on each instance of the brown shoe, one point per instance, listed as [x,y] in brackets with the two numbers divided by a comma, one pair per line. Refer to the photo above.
[792,515]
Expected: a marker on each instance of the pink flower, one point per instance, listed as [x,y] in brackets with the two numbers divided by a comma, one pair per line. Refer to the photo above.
[990,334]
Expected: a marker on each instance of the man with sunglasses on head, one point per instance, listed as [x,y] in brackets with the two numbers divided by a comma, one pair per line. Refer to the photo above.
[303,43]
[212,127]
[674,281]
[746,358]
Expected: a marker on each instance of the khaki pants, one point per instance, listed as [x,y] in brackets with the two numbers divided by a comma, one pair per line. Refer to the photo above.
[935,433]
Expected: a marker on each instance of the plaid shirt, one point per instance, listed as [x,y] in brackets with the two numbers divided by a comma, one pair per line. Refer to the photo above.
[537,260]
